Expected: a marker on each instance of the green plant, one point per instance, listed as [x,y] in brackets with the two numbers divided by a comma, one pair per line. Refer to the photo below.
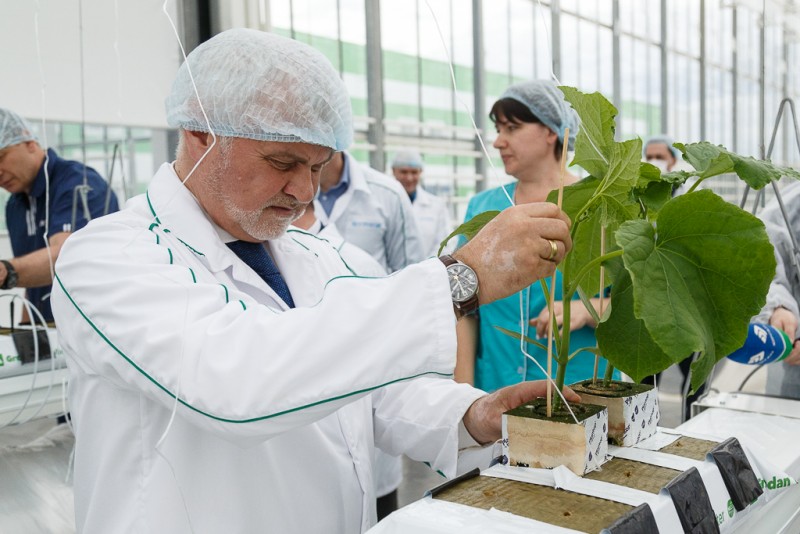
[686,274]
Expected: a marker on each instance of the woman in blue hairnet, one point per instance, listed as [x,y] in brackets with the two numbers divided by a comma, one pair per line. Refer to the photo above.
[531,119]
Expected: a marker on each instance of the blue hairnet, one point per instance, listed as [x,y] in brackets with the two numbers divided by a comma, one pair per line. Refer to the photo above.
[408,159]
[261,86]
[546,101]
[13,129]
[662,139]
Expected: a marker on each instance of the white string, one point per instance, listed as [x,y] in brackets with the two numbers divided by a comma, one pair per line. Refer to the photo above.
[524,318]
[119,62]
[119,104]
[196,93]
[172,417]
[33,316]
[36,353]
[46,146]
[461,101]
[83,189]
[186,309]
[558,82]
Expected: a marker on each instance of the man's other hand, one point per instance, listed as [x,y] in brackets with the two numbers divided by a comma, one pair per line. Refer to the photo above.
[483,419]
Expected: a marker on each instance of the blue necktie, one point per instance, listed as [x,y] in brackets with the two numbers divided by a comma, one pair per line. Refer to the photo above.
[257,257]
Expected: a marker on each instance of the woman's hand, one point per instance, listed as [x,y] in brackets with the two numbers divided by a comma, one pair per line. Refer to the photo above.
[578,318]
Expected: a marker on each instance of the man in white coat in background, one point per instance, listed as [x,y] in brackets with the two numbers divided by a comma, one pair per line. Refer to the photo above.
[370,210]
[430,211]
[388,469]
[229,373]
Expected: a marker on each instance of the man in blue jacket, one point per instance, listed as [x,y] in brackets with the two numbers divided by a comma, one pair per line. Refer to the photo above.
[50,198]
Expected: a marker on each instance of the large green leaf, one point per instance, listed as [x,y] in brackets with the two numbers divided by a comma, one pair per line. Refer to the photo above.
[713,160]
[613,196]
[596,134]
[699,279]
[470,228]
[623,339]
[648,173]
[653,197]
[593,204]
[576,197]
[585,231]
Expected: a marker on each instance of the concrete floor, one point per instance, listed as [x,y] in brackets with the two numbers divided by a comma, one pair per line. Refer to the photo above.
[36,490]
[35,494]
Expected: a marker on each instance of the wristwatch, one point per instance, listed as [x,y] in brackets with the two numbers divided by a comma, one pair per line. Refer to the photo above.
[11,276]
[463,286]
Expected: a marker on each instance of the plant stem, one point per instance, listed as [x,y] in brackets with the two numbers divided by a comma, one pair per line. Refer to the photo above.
[694,185]
[561,374]
[573,287]
[563,353]
[609,374]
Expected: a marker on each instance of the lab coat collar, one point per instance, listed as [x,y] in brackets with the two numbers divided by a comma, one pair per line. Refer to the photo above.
[423,197]
[177,210]
[358,186]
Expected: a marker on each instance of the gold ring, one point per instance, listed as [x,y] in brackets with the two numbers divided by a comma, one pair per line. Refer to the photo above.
[553,250]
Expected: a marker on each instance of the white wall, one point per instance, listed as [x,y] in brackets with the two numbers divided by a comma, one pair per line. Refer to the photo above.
[130,56]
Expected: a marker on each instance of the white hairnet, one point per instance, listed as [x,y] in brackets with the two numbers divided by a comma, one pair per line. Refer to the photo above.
[408,159]
[546,101]
[262,86]
[662,139]
[13,129]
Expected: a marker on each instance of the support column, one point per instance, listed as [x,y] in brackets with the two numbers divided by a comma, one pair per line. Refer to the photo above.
[664,86]
[479,88]
[615,52]
[376,133]
[555,38]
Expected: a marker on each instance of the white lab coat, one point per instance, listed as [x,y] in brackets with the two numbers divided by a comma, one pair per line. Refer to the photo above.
[279,409]
[388,469]
[784,291]
[433,221]
[375,215]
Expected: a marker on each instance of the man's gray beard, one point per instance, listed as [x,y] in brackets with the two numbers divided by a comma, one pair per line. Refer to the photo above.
[249,221]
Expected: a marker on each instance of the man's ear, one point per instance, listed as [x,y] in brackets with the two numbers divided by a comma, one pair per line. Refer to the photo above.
[32,146]
[197,143]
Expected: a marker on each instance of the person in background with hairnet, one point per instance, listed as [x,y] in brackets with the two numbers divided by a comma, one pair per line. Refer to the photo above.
[370,210]
[430,211]
[531,119]
[658,151]
[39,213]
[229,373]
[782,309]
[388,469]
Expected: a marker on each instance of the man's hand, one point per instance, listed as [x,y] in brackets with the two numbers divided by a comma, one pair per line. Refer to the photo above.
[483,419]
[514,249]
[579,317]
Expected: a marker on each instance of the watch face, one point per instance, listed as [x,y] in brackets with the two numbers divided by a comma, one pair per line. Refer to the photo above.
[463,282]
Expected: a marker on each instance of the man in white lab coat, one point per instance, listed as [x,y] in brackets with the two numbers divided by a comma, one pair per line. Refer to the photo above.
[208,398]
[387,469]
[370,210]
[430,211]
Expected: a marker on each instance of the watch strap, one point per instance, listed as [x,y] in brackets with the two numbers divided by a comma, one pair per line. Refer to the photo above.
[469,306]
[10,281]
